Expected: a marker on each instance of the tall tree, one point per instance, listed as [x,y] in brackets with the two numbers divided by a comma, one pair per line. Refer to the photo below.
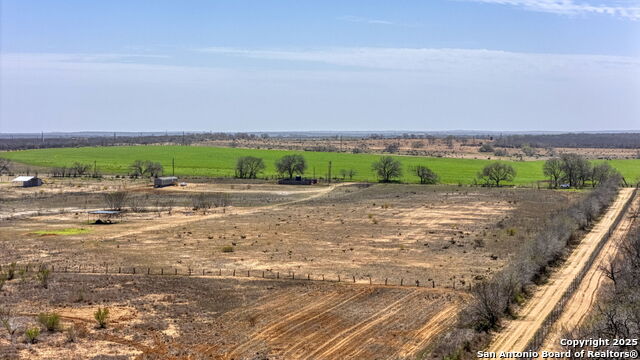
[576,169]
[248,167]
[290,165]
[426,175]
[553,170]
[387,168]
[497,172]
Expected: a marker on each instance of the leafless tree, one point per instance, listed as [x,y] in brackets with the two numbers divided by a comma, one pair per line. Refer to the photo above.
[553,170]
[116,200]
[5,166]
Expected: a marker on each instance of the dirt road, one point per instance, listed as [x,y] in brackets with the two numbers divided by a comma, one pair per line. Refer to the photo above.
[517,334]
[581,302]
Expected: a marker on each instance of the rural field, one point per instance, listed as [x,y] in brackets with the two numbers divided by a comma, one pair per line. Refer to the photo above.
[220,162]
[350,270]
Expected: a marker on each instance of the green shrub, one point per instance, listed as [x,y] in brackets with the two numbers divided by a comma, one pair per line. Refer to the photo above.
[50,321]
[101,315]
[511,231]
[31,334]
[227,249]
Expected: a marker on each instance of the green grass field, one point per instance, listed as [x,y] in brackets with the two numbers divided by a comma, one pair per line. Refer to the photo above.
[220,162]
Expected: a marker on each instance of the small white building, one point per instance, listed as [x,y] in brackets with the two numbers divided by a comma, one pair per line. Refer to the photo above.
[27,181]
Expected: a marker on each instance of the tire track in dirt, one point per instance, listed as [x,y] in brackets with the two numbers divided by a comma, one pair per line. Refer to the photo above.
[581,303]
[329,349]
[429,331]
[517,333]
[294,320]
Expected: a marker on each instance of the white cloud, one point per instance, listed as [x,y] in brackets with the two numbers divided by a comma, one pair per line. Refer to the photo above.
[622,8]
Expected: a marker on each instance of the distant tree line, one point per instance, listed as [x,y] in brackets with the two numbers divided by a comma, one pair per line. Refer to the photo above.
[616,140]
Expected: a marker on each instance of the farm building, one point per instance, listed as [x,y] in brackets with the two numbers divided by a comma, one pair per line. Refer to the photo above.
[298,180]
[164,181]
[27,181]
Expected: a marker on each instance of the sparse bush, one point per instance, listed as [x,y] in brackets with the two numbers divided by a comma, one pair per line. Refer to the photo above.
[11,271]
[511,232]
[486,148]
[116,200]
[392,148]
[101,315]
[227,249]
[50,321]
[43,275]
[5,321]
[31,334]
[75,331]
[500,152]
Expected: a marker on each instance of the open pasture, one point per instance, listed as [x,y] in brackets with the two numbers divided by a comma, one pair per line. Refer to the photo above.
[220,162]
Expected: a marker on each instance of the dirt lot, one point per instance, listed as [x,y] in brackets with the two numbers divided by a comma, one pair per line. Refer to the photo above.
[450,235]
[443,235]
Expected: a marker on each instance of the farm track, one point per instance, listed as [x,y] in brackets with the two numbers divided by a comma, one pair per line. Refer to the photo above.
[581,302]
[353,323]
[517,333]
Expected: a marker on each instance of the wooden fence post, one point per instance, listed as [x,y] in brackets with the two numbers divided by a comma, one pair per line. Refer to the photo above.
[161,271]
[354,279]
[175,271]
[385,281]
[417,283]
[278,275]
[401,281]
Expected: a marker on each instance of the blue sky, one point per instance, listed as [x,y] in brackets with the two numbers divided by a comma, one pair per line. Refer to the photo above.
[319,65]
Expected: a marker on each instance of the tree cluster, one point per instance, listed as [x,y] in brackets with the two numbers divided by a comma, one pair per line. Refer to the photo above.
[575,171]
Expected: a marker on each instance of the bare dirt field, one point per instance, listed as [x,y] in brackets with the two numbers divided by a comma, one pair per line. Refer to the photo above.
[515,336]
[447,236]
[168,317]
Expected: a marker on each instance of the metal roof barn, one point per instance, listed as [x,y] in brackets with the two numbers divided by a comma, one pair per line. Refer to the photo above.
[27,181]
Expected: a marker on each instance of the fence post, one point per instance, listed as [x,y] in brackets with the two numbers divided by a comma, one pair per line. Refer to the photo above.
[417,283]
[148,271]
[263,274]
[161,271]
[401,281]
[234,272]
[202,272]
[322,277]
[338,277]
[433,284]
[220,272]
[119,269]
[175,271]
[308,277]
[278,275]
[248,273]
[293,275]
[354,279]
[134,270]
[385,281]
[369,280]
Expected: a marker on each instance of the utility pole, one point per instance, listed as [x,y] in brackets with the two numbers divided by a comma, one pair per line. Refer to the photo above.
[329,177]
[43,137]
[173,167]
